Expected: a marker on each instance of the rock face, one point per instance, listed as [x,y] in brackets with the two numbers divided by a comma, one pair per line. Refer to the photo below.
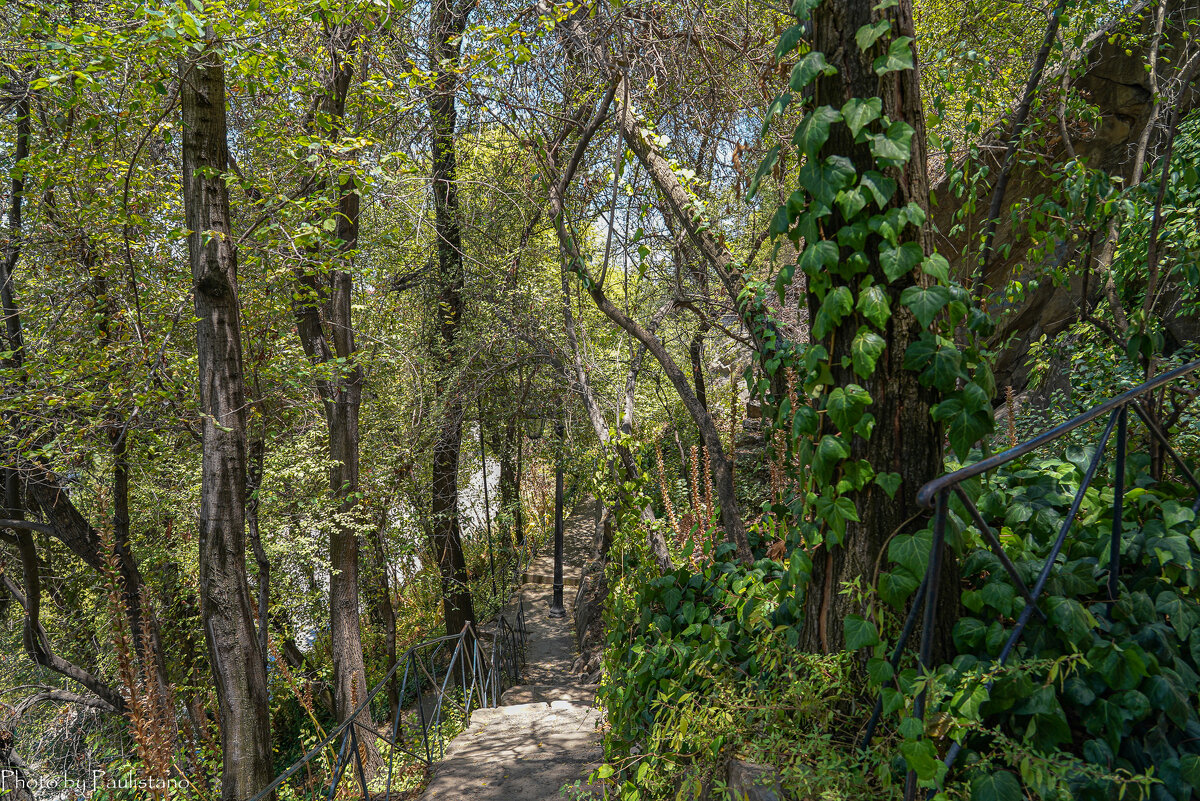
[589,624]
[753,782]
[1118,86]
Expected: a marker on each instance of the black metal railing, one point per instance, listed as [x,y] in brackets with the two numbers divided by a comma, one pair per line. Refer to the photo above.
[936,495]
[440,677]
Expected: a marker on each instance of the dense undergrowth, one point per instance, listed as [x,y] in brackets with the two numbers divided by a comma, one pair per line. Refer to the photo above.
[1099,702]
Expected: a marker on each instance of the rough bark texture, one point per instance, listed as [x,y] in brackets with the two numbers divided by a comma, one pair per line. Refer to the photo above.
[448,20]
[234,655]
[905,439]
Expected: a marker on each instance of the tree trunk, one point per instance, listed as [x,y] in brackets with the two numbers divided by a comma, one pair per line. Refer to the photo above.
[905,439]
[383,612]
[447,22]
[254,477]
[323,342]
[234,655]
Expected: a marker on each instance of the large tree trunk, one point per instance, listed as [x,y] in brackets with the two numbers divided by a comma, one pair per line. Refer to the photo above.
[379,597]
[905,439]
[234,655]
[447,21]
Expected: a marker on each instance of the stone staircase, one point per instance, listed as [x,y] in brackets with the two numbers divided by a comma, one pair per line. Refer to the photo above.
[546,732]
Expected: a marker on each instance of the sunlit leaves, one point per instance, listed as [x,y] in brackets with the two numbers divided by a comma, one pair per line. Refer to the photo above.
[898,57]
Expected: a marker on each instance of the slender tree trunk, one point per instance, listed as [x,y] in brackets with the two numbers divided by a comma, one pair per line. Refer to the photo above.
[234,655]
[382,610]
[905,439]
[504,443]
[448,20]
[323,342]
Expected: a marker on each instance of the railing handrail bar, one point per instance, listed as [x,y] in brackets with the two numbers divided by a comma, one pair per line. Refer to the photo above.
[928,493]
[342,727]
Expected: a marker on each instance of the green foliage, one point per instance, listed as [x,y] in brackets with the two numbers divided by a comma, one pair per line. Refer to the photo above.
[1110,689]
[701,666]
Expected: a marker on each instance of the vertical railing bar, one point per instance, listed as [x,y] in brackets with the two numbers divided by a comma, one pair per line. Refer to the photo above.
[910,623]
[362,774]
[1023,618]
[1166,443]
[933,576]
[1114,552]
[338,766]
[421,712]
[997,548]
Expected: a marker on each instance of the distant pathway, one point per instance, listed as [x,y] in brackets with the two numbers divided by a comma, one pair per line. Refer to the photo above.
[546,733]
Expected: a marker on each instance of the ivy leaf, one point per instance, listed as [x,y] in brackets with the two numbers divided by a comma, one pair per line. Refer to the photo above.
[890,482]
[938,360]
[895,587]
[805,422]
[777,107]
[808,68]
[860,113]
[837,304]
[829,452]
[964,427]
[868,35]
[853,236]
[880,186]
[873,304]
[801,9]
[922,757]
[836,512]
[1180,613]
[937,266]
[911,551]
[764,169]
[865,351]
[893,147]
[997,786]
[845,406]
[899,57]
[825,179]
[818,256]
[813,131]
[899,261]
[925,302]
[1165,693]
[860,633]
[850,202]
[789,40]
[879,670]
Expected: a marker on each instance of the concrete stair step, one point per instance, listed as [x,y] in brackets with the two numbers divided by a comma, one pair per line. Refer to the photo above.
[538,578]
[547,693]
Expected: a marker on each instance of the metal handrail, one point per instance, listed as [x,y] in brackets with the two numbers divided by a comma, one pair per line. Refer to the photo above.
[925,496]
[481,678]
[936,495]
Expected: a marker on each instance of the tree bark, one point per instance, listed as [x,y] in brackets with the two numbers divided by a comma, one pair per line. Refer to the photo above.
[383,612]
[324,341]
[447,21]
[905,439]
[234,655]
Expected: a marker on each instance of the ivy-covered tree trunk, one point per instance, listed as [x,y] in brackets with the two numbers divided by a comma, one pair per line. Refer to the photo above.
[904,441]
[448,20]
[237,664]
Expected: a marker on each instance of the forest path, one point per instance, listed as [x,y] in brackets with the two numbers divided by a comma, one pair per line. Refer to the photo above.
[545,734]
